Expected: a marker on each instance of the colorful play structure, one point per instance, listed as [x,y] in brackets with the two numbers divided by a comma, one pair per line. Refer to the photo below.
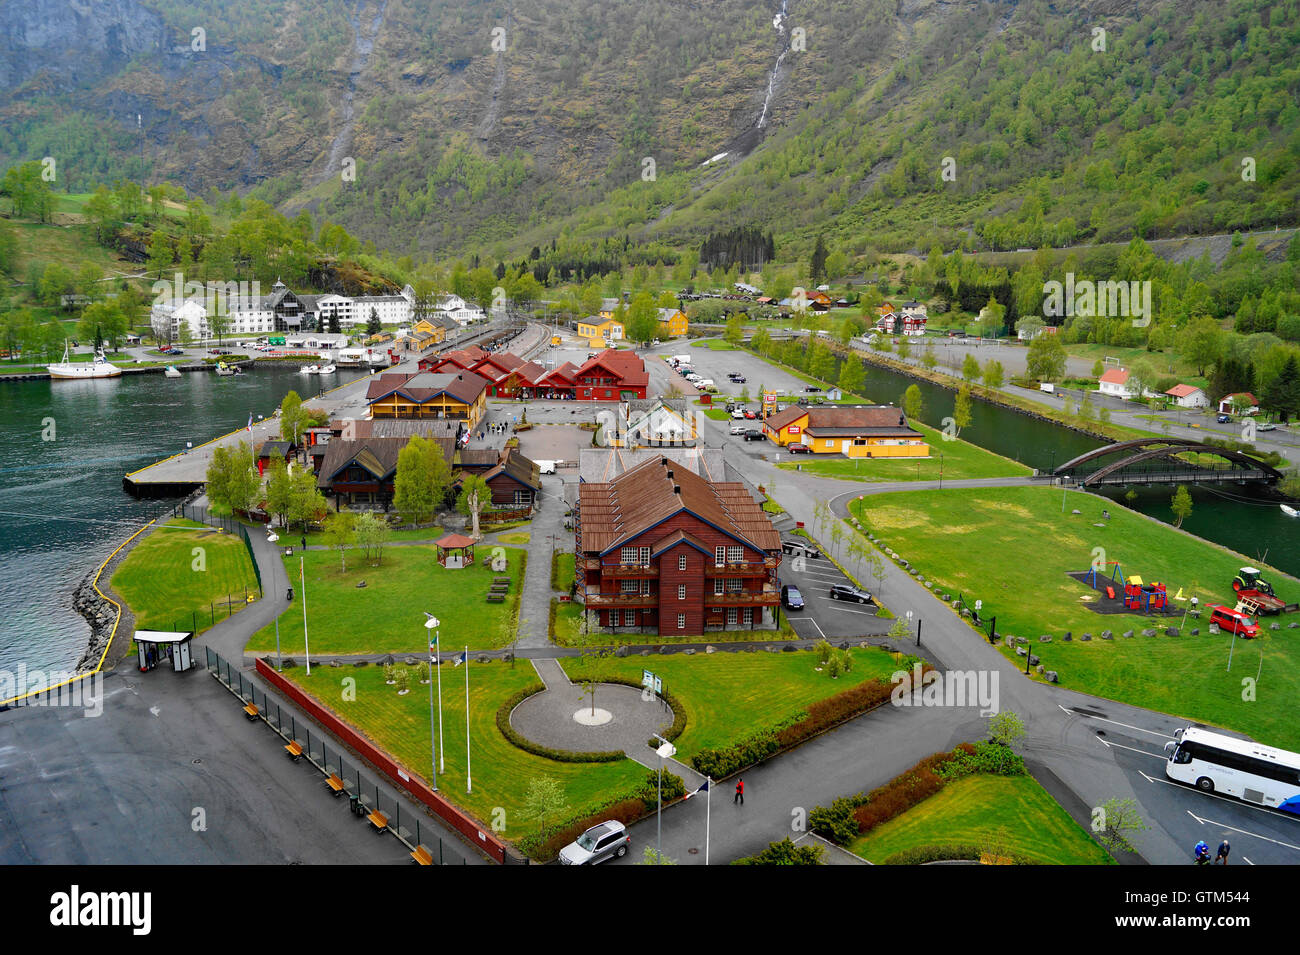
[1136,596]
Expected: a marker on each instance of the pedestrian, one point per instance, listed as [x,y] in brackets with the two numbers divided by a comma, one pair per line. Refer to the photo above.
[1202,853]
[1221,858]
[740,793]
[304,541]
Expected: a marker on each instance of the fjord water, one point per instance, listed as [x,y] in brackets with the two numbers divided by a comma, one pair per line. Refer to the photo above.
[62,507]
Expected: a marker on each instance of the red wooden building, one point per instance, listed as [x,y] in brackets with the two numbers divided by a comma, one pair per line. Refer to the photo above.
[612,375]
[662,550]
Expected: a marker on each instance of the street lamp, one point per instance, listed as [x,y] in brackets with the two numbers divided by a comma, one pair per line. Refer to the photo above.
[432,623]
[272,537]
[665,751]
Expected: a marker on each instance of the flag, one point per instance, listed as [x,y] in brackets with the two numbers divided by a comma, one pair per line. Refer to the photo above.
[249,426]
[461,659]
[703,788]
[433,650]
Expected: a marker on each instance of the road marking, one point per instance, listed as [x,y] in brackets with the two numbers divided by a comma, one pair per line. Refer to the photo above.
[836,605]
[1235,802]
[1088,716]
[1244,832]
[1248,862]
[810,620]
[1133,749]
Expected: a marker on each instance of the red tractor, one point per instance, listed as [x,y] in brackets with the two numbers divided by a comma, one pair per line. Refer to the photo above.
[1249,585]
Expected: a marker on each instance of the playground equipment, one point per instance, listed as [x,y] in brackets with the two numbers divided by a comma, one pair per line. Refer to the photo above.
[1249,585]
[1108,584]
[1148,598]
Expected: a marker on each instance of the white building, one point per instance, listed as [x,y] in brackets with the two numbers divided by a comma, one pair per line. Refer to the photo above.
[1188,396]
[1116,382]
[458,310]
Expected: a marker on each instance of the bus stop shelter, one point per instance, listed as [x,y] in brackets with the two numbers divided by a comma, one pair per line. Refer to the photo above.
[156,646]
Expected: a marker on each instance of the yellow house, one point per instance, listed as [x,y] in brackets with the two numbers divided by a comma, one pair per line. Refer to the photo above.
[598,332]
[426,327]
[672,323]
[876,431]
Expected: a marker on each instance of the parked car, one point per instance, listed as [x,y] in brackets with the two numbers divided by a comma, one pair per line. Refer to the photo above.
[799,549]
[751,415]
[849,592]
[798,448]
[738,414]
[605,841]
[738,429]
[1266,426]
[752,435]
[811,389]
[1223,418]
[791,599]
[1234,621]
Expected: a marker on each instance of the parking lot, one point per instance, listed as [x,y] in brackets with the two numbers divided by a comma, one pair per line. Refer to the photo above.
[824,616]
[716,365]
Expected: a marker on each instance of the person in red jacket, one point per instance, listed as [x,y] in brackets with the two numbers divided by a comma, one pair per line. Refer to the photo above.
[740,792]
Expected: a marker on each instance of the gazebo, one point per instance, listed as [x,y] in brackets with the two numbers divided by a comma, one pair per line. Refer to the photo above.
[455,550]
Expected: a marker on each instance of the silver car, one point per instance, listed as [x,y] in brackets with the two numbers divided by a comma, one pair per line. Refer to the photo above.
[597,844]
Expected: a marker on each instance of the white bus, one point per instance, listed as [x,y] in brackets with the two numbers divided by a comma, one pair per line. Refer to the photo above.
[1213,762]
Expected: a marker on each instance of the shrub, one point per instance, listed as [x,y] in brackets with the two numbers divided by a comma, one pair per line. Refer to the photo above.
[785,852]
[919,855]
[902,792]
[674,788]
[996,759]
[823,649]
[836,823]
[390,673]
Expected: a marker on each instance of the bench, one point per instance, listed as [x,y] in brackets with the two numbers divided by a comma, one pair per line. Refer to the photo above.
[294,749]
[251,711]
[501,580]
[334,784]
[378,820]
[422,856]
[496,598]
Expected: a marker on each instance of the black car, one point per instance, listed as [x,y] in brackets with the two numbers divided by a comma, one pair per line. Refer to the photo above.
[800,549]
[812,388]
[752,435]
[849,592]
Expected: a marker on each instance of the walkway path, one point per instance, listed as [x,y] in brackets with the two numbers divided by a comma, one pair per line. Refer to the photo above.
[547,531]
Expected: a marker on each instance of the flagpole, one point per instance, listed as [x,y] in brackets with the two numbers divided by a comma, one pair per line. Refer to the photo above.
[469,784]
[442,755]
[302,573]
[708,815]
[433,739]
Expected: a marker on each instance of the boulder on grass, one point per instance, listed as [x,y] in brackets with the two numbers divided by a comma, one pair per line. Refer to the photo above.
[1045,638]
[1050,676]
[1033,660]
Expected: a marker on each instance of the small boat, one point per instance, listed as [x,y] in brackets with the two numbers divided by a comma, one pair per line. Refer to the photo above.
[74,371]
[171,371]
[309,370]
[327,370]
[1289,511]
[225,371]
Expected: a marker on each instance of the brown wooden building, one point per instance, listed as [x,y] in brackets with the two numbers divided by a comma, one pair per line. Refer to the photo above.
[662,550]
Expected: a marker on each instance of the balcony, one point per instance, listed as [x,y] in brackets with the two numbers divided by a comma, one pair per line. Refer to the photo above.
[620,570]
[622,600]
[753,569]
[766,597]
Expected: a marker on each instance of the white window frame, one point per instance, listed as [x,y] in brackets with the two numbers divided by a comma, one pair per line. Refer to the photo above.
[681,591]
[735,554]
[733,617]
[681,561]
[681,621]
[627,555]
[629,618]
[645,557]
[719,555]
[718,586]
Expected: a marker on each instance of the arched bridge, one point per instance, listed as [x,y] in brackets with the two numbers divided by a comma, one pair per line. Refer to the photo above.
[1164,461]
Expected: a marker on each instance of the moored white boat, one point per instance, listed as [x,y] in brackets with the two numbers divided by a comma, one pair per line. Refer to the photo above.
[1289,511]
[171,371]
[309,370]
[225,371]
[78,371]
[327,370]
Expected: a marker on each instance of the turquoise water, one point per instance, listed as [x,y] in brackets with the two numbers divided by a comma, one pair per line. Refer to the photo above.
[66,446]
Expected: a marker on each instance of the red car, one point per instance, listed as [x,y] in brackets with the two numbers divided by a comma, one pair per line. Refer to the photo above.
[798,448]
[751,415]
[1234,621]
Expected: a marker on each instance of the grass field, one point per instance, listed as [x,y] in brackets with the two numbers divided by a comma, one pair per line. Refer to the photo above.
[500,771]
[960,459]
[387,615]
[315,538]
[730,695]
[562,570]
[175,576]
[713,344]
[1011,548]
[1012,812]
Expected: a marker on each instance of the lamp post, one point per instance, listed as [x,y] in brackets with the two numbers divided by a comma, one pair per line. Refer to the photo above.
[306,647]
[272,537]
[664,751]
[432,623]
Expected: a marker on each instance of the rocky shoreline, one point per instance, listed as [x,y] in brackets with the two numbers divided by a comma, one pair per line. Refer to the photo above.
[101,615]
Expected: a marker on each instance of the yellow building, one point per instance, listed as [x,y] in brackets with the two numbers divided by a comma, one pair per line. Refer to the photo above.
[425,394]
[426,327]
[598,332]
[876,431]
[672,323]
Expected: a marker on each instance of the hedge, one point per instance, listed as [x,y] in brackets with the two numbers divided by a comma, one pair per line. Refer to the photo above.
[920,855]
[904,791]
[819,717]
[528,746]
[679,711]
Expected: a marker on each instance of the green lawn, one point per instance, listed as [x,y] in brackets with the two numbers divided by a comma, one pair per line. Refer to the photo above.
[714,412]
[175,577]
[387,614]
[1011,548]
[1012,812]
[713,344]
[567,632]
[500,771]
[730,695]
[960,459]
[562,570]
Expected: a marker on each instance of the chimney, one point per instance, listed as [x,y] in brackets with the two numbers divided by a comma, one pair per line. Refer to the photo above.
[670,474]
[663,462]
[677,489]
